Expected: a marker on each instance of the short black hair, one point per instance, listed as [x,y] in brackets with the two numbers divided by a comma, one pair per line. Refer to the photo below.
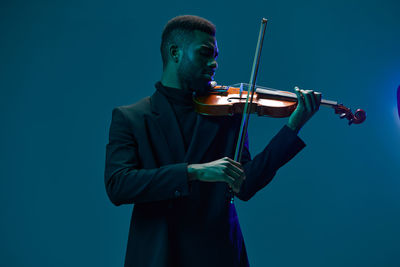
[180,30]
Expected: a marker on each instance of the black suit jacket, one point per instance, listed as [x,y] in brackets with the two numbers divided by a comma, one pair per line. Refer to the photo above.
[175,223]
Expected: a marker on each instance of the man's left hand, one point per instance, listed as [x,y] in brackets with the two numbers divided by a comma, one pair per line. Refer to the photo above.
[308,103]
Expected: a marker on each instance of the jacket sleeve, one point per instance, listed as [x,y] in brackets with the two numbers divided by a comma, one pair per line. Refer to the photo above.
[126,181]
[260,171]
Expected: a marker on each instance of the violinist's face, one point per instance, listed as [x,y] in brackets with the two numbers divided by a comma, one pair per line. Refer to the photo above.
[198,63]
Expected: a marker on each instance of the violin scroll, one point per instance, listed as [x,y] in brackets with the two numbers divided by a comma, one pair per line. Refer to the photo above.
[358,117]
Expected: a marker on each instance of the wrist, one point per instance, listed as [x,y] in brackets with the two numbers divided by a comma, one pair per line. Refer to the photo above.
[294,128]
[192,174]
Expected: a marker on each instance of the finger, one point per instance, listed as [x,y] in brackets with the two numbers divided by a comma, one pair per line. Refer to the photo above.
[239,172]
[307,101]
[234,162]
[233,173]
[317,100]
[236,189]
[239,180]
[313,100]
[318,97]
[228,179]
[235,166]
[300,97]
[233,179]
[237,185]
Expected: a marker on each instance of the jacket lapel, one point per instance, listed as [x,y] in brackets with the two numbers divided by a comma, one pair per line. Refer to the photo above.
[204,133]
[168,126]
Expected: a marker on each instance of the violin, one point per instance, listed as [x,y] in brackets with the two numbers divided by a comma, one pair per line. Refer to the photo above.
[230,100]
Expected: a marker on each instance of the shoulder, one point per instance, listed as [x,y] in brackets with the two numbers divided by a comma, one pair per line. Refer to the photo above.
[138,109]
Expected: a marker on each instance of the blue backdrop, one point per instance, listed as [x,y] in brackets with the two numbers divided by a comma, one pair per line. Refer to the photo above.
[65,64]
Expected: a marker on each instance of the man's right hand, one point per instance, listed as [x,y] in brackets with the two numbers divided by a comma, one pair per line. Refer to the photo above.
[221,170]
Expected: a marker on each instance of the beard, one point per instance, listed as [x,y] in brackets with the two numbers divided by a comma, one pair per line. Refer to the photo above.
[193,78]
[201,87]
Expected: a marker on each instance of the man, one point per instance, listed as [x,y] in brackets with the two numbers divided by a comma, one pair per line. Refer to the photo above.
[176,167]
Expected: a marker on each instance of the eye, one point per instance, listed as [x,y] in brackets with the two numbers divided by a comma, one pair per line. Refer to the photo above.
[206,53]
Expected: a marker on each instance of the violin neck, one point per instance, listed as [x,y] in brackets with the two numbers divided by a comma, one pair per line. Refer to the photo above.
[288,96]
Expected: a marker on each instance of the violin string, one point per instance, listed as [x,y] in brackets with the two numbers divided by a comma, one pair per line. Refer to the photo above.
[283,93]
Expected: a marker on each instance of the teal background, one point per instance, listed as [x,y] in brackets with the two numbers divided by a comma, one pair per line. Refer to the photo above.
[65,64]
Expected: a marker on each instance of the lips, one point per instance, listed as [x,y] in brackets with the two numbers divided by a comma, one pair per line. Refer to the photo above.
[210,73]
[208,76]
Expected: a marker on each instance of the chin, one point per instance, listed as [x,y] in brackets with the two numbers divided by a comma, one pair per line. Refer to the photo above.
[202,88]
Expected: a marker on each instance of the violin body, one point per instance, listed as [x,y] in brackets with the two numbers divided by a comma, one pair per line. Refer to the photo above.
[227,101]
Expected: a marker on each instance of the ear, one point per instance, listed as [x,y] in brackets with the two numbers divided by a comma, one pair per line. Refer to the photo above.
[174,53]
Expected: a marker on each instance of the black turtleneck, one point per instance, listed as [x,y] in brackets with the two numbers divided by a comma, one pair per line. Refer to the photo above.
[182,103]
